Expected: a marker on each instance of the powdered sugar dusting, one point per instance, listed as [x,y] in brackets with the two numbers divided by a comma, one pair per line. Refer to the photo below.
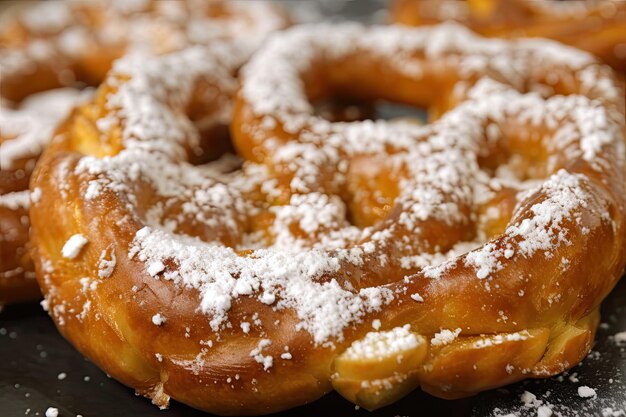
[220,275]
[16,200]
[73,246]
[305,258]
[501,338]
[158,319]
[620,338]
[106,263]
[381,345]
[586,392]
[445,337]
[266,360]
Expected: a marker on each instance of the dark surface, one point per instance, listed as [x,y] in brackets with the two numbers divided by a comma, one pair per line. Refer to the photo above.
[33,354]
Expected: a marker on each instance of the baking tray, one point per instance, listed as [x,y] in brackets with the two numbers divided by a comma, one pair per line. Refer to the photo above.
[39,369]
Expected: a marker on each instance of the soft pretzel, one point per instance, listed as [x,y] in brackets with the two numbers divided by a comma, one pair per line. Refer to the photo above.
[59,44]
[597,26]
[368,257]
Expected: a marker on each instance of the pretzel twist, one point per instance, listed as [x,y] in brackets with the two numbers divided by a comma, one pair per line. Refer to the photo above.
[368,257]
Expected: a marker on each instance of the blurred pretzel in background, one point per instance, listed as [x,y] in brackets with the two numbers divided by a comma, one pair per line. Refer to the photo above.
[596,26]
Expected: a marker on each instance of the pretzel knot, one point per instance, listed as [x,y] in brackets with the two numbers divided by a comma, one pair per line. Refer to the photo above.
[369,257]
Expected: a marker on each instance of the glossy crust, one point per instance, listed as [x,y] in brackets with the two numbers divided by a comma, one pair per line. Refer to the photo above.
[161,311]
[595,26]
[73,44]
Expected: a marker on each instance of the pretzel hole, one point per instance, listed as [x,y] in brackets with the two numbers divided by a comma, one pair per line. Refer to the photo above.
[214,138]
[515,152]
[347,109]
[213,143]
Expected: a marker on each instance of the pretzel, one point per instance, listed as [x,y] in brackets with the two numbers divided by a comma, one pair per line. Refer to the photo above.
[366,257]
[596,26]
[62,44]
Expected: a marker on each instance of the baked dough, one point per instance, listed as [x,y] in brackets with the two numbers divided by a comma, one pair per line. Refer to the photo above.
[368,257]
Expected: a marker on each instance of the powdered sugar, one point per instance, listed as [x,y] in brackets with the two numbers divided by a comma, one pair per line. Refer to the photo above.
[564,194]
[620,338]
[74,246]
[417,298]
[158,319]
[544,411]
[266,360]
[52,412]
[16,200]
[485,260]
[155,267]
[35,195]
[106,263]
[501,338]
[219,273]
[586,392]
[445,337]
[382,345]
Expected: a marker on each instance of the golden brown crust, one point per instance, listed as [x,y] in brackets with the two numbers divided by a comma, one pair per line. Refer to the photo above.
[206,286]
[598,27]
